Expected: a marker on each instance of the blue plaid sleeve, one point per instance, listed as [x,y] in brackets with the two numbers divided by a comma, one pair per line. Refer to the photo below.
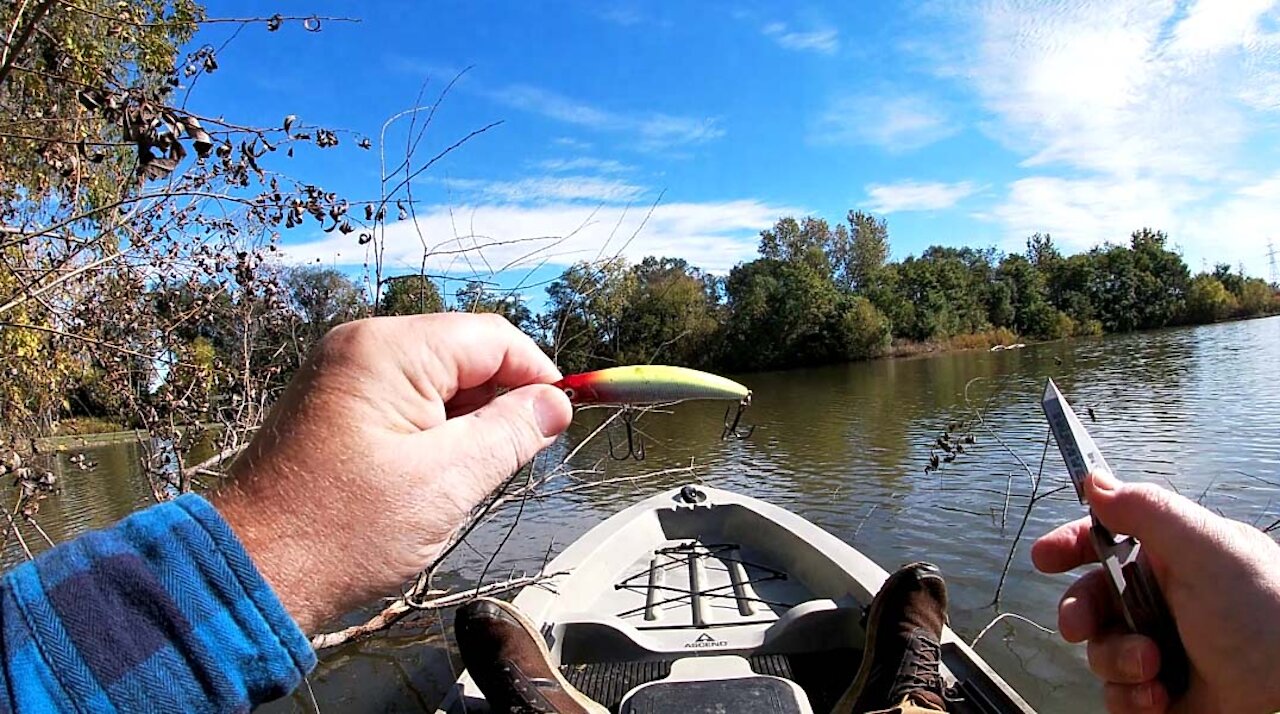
[162,612]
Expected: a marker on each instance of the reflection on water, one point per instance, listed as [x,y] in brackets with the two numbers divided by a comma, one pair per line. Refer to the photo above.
[845,447]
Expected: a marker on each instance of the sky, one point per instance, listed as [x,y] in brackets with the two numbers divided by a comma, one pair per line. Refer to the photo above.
[683,129]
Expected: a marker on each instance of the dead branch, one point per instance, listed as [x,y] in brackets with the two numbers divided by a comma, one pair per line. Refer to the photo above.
[437,600]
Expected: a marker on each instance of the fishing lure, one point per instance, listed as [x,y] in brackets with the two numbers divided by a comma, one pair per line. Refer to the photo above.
[644,385]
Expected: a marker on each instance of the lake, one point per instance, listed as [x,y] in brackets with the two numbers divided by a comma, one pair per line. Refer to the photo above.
[1195,409]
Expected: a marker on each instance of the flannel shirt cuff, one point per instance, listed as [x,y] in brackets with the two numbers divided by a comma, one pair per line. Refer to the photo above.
[165,610]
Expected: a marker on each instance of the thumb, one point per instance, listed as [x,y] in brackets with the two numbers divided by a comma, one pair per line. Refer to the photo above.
[1167,523]
[480,450]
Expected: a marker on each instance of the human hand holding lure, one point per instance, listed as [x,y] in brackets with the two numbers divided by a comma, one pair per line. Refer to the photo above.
[651,385]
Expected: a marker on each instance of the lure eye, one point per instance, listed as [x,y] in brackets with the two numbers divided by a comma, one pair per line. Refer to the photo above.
[570,392]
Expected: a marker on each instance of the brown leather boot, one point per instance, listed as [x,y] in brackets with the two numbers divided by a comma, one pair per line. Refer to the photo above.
[901,661]
[509,661]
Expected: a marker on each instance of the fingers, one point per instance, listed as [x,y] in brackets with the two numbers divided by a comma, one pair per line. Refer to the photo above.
[1124,658]
[499,438]
[1167,524]
[1145,698]
[472,350]
[1087,608]
[1064,548]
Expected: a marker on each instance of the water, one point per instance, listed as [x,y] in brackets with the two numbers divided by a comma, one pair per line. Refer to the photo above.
[845,447]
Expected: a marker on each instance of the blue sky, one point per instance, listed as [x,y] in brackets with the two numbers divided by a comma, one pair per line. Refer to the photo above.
[971,123]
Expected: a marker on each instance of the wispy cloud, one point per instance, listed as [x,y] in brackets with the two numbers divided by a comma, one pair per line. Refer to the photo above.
[823,39]
[585,163]
[894,122]
[654,131]
[712,235]
[1153,108]
[916,195]
[546,189]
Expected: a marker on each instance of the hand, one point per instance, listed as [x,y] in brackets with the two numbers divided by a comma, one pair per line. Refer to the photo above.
[387,437]
[1221,579]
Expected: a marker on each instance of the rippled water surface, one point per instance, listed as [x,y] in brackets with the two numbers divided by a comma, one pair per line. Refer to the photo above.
[1196,409]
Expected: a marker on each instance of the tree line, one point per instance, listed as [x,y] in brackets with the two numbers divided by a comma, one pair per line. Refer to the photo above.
[816,294]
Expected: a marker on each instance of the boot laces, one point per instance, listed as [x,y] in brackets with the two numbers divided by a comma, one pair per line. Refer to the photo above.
[920,669]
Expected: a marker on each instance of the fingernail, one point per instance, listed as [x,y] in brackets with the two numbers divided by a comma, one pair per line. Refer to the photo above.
[1144,696]
[549,412]
[1103,481]
[1132,664]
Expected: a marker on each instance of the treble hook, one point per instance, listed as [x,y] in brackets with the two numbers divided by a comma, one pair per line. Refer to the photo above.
[635,445]
[731,427]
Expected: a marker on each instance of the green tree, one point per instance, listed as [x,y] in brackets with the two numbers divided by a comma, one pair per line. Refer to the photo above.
[859,267]
[805,241]
[1208,300]
[779,315]
[669,315]
[323,298]
[585,308]
[410,295]
[1257,297]
[476,296]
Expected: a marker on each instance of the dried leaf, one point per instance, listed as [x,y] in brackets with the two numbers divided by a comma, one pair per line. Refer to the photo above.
[273,23]
[311,24]
[368,211]
[364,143]
[288,122]
[365,238]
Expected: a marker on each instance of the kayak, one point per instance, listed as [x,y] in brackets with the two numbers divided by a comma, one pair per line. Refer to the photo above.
[708,598]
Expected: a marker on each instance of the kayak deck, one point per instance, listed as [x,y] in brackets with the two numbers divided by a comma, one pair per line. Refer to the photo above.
[697,592]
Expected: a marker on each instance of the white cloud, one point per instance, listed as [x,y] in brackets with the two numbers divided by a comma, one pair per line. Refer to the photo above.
[1115,87]
[585,163]
[1150,106]
[654,130]
[547,189]
[713,235]
[916,195]
[824,39]
[1212,25]
[895,122]
[1082,213]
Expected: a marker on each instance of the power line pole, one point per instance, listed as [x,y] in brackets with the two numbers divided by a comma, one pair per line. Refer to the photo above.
[1271,255]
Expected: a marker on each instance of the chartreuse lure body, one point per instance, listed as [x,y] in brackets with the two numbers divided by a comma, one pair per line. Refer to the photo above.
[640,385]
[650,384]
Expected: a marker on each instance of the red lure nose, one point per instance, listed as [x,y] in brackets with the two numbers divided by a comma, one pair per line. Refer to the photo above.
[576,388]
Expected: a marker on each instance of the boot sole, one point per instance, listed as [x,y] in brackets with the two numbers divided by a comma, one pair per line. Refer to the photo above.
[592,706]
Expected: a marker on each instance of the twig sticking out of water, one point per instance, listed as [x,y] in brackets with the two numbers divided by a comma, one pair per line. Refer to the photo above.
[1015,616]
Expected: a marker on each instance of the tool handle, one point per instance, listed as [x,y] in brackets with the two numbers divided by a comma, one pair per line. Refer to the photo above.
[1149,615]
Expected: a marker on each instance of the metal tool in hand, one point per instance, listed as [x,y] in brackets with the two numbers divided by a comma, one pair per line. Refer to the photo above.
[1127,567]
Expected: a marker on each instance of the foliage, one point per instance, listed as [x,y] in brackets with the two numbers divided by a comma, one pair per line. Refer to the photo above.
[819,294]
[1208,300]
[410,295]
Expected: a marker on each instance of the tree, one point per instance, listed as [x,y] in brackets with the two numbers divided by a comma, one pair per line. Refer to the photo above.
[323,298]
[410,295]
[1257,297]
[1208,300]
[779,315]
[585,308]
[860,266]
[477,297]
[795,241]
[669,315]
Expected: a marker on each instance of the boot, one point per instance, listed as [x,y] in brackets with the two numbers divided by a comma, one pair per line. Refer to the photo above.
[900,664]
[509,661]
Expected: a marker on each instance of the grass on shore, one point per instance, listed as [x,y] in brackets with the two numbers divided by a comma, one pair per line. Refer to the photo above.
[977,340]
